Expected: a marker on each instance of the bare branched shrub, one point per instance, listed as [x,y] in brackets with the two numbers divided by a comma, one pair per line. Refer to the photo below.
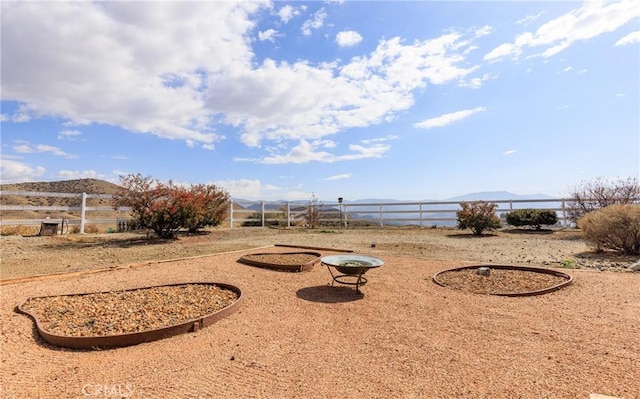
[593,195]
[615,227]
[312,213]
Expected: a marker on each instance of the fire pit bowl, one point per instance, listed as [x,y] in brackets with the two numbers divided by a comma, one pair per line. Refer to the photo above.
[351,267]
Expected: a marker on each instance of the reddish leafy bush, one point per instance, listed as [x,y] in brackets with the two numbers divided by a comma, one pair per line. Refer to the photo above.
[166,208]
[478,217]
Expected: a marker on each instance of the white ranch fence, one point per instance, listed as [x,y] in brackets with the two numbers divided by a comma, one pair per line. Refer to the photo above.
[244,213]
[422,213]
[82,208]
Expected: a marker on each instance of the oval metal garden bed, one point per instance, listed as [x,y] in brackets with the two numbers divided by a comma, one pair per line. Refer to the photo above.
[132,316]
[283,261]
[503,280]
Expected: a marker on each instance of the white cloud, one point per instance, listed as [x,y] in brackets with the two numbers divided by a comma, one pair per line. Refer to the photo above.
[509,152]
[209,147]
[503,50]
[348,38]
[136,65]
[633,37]
[447,119]
[183,70]
[477,82]
[24,147]
[485,30]
[245,188]
[580,72]
[287,12]
[314,23]
[566,69]
[338,177]
[530,18]
[121,157]
[592,19]
[309,102]
[12,171]
[380,139]
[79,174]
[307,151]
[269,34]
[69,135]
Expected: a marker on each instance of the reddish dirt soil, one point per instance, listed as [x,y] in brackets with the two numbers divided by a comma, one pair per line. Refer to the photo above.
[295,335]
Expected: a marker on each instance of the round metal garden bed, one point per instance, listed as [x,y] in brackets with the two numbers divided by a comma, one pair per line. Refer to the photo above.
[134,338]
[283,261]
[561,281]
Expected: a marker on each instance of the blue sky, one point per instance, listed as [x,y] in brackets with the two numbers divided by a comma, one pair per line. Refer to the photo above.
[277,100]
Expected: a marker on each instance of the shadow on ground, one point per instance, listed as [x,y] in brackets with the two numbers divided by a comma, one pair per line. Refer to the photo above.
[471,235]
[329,294]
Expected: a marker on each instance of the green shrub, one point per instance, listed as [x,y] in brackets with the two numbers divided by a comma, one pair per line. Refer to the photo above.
[615,227]
[478,217]
[532,217]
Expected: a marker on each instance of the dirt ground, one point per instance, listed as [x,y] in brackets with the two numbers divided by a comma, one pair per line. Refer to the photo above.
[29,256]
[297,336]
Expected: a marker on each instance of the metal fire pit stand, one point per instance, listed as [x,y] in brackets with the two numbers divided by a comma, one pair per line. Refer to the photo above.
[350,267]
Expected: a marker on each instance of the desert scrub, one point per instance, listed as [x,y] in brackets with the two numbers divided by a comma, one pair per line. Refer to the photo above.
[478,217]
[616,227]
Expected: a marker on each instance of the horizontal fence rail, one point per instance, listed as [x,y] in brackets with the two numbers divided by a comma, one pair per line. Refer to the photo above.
[438,213]
[82,208]
[267,213]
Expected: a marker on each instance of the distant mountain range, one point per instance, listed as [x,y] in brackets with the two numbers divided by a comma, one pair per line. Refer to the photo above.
[480,196]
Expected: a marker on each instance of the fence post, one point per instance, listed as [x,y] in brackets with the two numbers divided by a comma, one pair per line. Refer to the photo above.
[231,213]
[288,214]
[345,213]
[421,214]
[564,215]
[381,217]
[262,213]
[83,210]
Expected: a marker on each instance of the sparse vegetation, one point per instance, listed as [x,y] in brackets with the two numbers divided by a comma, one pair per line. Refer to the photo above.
[91,229]
[19,230]
[478,217]
[535,218]
[312,213]
[590,196]
[616,227]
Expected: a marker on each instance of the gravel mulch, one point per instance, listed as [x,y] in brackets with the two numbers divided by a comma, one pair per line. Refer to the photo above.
[282,259]
[130,311]
[499,281]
